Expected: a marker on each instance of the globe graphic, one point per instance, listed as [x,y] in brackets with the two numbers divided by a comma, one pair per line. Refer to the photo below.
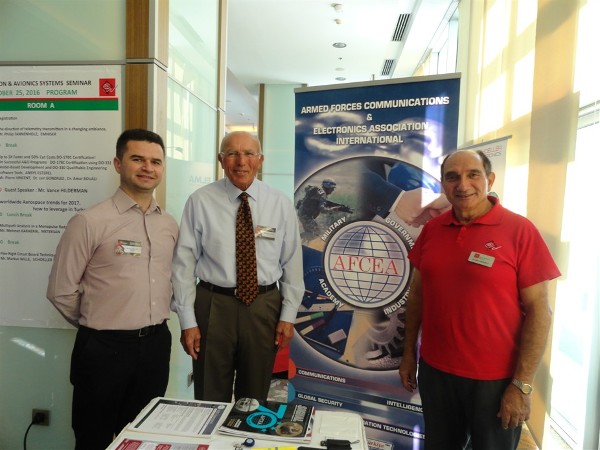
[356,269]
[367,265]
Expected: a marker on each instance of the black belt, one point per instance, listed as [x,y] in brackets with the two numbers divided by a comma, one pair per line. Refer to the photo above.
[140,332]
[232,291]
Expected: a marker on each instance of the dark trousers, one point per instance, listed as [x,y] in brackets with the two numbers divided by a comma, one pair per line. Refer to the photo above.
[237,345]
[460,413]
[114,376]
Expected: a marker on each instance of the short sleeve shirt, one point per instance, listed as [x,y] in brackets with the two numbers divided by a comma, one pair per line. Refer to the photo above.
[471,278]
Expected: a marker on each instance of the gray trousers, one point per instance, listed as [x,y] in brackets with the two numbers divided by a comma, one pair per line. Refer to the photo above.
[237,345]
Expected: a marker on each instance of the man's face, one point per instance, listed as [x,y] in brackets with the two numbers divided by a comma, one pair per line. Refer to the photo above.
[141,167]
[465,183]
[240,159]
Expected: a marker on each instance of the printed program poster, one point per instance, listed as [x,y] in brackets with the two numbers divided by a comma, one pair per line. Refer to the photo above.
[365,156]
[58,129]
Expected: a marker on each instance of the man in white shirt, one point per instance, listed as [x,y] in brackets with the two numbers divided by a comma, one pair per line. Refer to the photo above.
[227,339]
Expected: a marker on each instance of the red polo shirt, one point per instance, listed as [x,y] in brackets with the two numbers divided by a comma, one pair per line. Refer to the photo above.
[471,277]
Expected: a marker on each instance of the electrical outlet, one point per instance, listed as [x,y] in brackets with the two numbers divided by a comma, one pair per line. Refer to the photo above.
[45,420]
[190,378]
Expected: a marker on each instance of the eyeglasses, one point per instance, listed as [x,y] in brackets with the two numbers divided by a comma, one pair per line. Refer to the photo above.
[235,155]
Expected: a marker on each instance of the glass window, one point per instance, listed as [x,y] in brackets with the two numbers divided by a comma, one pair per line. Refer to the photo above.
[192,99]
[193,46]
[575,367]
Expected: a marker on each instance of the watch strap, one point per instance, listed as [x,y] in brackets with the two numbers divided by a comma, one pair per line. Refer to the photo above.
[525,388]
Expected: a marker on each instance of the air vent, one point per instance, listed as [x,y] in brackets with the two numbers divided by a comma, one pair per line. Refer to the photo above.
[401,27]
[387,67]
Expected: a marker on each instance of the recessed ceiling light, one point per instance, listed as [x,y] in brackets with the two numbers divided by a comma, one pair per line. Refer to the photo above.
[339,44]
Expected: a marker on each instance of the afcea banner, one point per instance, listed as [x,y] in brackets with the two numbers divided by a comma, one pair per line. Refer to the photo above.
[367,161]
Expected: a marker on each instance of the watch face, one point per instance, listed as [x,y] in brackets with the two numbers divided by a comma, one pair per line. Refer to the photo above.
[527,389]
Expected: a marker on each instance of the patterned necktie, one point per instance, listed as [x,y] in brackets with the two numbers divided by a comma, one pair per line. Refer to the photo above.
[245,253]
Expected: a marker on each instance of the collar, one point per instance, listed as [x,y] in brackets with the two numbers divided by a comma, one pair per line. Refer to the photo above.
[233,192]
[124,202]
[492,217]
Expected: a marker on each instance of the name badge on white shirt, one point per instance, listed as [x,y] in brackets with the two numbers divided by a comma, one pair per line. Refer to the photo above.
[131,248]
[265,232]
[480,258]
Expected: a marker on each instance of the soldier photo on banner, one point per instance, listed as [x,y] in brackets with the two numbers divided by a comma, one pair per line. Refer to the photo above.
[314,203]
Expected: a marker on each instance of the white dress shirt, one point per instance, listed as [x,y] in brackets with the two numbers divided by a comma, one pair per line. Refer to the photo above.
[206,245]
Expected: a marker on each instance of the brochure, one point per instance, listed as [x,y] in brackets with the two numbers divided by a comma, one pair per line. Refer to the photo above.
[180,417]
[141,444]
[269,420]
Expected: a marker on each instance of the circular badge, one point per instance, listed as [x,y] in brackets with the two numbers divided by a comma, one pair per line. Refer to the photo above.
[290,429]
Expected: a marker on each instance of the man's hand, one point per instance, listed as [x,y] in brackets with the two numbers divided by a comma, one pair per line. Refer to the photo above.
[418,206]
[408,372]
[514,407]
[190,340]
[283,334]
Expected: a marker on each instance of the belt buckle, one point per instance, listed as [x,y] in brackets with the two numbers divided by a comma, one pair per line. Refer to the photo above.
[143,332]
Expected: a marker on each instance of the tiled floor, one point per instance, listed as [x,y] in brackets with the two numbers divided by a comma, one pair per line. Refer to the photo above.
[278,392]
[552,442]
[526,442]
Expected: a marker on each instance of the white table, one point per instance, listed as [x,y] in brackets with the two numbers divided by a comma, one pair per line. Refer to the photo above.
[326,425]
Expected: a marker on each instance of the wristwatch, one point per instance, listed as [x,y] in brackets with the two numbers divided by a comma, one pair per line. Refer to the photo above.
[525,388]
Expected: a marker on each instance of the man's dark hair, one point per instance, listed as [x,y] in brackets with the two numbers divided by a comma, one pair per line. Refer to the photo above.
[137,134]
[487,164]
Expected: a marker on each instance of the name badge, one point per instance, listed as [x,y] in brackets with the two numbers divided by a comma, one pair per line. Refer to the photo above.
[265,232]
[480,258]
[132,248]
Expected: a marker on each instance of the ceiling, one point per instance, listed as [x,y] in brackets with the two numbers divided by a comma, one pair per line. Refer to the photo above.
[291,42]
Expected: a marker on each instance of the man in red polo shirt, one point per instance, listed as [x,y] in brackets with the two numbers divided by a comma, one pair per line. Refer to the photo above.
[479,296]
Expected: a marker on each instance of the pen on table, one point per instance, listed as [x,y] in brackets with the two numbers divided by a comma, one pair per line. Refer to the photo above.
[277,448]
[290,448]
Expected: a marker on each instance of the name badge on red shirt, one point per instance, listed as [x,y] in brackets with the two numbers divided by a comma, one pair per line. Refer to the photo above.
[480,258]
